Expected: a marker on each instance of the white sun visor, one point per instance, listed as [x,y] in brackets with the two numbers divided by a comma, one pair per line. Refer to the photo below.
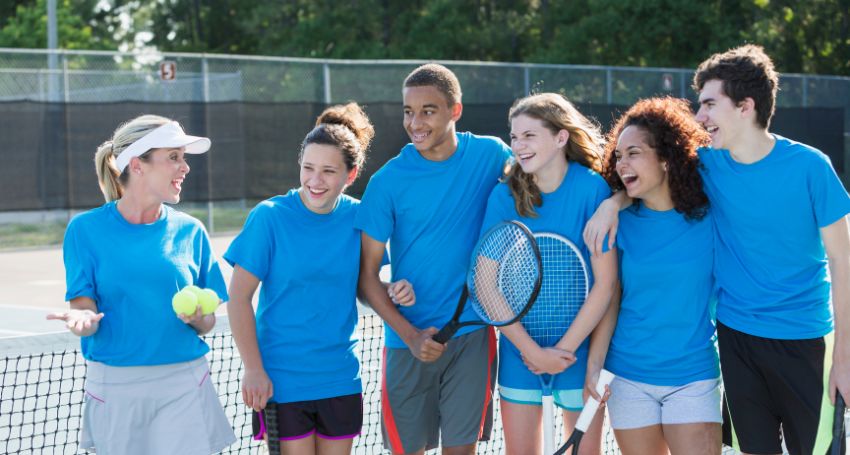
[169,135]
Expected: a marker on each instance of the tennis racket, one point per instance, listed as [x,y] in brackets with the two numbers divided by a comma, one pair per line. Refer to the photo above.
[587,414]
[838,437]
[504,278]
[564,289]
[272,430]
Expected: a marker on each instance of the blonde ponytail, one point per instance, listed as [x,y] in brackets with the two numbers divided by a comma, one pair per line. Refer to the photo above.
[107,172]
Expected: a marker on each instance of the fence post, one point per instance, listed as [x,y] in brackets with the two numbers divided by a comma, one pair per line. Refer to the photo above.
[805,91]
[66,98]
[608,86]
[205,74]
[526,76]
[326,77]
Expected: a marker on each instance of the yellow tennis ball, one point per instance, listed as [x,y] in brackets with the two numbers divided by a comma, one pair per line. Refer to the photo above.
[208,300]
[184,302]
[199,293]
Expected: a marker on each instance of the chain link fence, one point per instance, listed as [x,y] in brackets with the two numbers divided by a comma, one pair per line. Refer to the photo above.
[97,76]
[80,78]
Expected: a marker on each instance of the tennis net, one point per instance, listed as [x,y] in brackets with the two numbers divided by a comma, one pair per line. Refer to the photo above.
[42,378]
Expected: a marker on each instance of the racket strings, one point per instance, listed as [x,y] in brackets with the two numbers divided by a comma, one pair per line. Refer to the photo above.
[562,293]
[504,273]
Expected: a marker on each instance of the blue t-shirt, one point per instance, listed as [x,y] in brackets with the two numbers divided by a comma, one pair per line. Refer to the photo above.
[564,211]
[132,271]
[430,212]
[665,333]
[770,264]
[306,315]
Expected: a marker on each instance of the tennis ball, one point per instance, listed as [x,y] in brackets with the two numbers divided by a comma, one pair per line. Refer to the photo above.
[198,292]
[184,302]
[208,300]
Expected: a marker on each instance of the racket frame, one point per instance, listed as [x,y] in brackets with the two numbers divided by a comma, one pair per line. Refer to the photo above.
[547,381]
[446,333]
[587,414]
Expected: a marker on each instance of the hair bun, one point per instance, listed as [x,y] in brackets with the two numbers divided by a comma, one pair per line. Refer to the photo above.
[351,116]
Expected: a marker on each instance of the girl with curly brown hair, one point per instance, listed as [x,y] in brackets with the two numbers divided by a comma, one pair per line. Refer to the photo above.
[666,394]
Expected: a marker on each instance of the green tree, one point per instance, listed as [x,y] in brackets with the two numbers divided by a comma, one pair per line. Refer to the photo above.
[27,26]
[804,37]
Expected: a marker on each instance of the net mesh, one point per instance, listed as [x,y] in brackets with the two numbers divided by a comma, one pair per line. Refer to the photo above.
[562,294]
[505,273]
[41,398]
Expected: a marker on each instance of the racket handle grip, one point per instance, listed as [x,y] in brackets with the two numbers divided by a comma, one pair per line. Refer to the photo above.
[838,425]
[548,404]
[592,405]
[445,334]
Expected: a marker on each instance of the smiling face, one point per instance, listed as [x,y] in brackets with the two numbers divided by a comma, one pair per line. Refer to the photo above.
[535,146]
[162,174]
[720,115]
[323,177]
[430,121]
[642,173]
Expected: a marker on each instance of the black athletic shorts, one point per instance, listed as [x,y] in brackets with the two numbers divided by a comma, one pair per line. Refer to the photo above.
[774,389]
[328,418]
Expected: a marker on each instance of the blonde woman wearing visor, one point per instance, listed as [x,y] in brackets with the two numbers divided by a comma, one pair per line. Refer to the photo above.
[147,388]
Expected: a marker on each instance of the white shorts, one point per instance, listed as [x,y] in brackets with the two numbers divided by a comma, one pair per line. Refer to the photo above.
[637,405]
[161,409]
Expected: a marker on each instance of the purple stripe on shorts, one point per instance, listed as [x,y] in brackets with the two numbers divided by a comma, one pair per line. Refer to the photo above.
[95,397]
[262,432]
[301,436]
[334,438]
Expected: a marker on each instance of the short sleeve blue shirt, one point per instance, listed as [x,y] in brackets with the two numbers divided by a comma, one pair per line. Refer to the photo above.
[306,315]
[665,333]
[131,271]
[431,212]
[771,266]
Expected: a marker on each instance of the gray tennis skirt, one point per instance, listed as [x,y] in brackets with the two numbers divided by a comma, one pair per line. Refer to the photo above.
[161,409]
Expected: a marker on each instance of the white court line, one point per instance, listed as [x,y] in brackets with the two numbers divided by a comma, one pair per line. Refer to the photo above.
[15,333]
[28,308]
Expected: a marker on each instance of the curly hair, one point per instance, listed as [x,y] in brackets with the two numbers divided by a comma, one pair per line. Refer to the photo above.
[670,129]
[557,113]
[746,72]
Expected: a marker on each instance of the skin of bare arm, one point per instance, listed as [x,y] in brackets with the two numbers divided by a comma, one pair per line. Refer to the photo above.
[605,222]
[836,240]
[257,388]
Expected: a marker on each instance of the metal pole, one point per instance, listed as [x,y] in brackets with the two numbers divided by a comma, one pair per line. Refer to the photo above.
[52,44]
[805,91]
[526,76]
[206,82]
[608,86]
[326,72]
[67,121]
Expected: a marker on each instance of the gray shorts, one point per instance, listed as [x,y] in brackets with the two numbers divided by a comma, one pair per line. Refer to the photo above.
[162,409]
[448,401]
[637,405]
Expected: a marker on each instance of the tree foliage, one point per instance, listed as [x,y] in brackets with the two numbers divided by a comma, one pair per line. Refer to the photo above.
[80,25]
[810,36]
